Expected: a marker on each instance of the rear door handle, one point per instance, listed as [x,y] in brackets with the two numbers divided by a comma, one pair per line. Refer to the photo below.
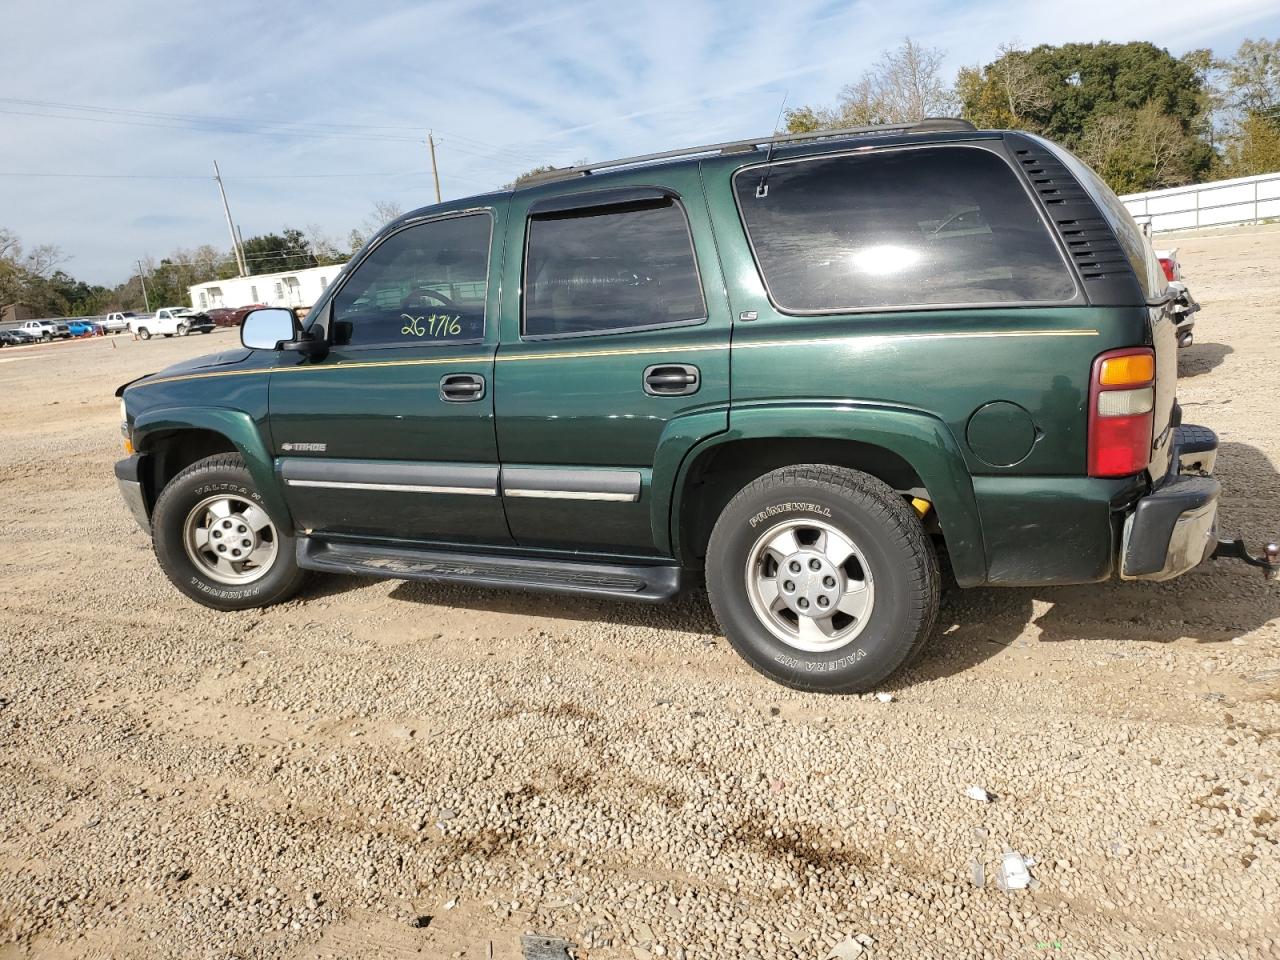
[461,387]
[671,379]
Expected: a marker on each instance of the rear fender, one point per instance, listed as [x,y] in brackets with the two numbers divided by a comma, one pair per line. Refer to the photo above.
[922,440]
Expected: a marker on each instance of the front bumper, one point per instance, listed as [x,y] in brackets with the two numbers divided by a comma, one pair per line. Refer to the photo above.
[129,477]
[1174,528]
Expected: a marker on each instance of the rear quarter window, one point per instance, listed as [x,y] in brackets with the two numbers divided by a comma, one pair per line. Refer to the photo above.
[935,226]
[1137,249]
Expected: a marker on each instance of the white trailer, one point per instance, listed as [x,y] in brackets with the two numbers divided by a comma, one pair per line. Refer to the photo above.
[289,288]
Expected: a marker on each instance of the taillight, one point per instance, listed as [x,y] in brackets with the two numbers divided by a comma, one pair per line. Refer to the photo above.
[1166,264]
[1121,404]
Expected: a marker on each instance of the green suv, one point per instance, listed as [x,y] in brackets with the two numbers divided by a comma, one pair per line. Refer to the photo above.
[801,370]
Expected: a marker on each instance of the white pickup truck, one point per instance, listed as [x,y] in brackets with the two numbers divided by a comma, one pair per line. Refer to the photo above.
[119,321]
[170,322]
[46,329]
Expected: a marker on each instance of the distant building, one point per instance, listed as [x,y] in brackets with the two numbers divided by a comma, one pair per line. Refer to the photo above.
[17,312]
[290,288]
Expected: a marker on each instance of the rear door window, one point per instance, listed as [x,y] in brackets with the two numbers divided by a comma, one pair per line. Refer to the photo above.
[902,228]
[609,269]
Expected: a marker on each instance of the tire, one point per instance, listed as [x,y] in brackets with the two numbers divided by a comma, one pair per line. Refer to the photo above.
[144,333]
[184,506]
[890,578]
[183,329]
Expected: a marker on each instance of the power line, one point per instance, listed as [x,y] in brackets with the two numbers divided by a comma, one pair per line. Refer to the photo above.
[191,176]
[325,130]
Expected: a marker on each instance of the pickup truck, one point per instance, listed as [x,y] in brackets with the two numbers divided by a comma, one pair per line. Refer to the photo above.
[118,322]
[46,329]
[171,322]
[810,372]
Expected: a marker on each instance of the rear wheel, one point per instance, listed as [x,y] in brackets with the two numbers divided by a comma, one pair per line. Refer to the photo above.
[822,578]
[216,541]
[144,333]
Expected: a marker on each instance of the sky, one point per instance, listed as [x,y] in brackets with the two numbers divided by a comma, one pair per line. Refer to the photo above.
[111,114]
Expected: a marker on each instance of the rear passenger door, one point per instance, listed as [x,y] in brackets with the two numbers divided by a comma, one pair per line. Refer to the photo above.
[614,336]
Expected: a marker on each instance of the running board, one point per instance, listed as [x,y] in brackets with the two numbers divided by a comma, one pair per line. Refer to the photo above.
[647,584]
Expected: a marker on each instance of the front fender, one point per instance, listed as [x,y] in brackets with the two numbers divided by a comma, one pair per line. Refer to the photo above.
[237,426]
[919,438]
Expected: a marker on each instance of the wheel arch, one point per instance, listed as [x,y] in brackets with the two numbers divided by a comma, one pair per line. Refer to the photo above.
[173,438]
[911,451]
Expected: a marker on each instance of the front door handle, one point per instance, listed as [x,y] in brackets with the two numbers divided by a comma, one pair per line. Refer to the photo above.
[671,380]
[461,387]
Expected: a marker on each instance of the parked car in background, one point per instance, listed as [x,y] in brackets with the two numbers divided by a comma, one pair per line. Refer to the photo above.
[11,338]
[46,329]
[231,316]
[83,328]
[118,322]
[171,322]
[1184,305]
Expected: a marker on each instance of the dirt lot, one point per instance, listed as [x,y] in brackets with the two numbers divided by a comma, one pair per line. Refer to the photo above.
[321,778]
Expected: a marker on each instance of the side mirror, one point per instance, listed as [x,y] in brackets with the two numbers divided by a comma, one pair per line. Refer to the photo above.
[277,328]
[267,329]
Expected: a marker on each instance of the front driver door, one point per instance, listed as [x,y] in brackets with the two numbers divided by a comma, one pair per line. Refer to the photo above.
[391,435]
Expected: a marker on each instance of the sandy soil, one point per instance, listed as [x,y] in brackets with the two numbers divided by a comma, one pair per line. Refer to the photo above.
[385,769]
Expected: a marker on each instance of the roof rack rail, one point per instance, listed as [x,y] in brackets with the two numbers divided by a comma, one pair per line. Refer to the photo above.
[928,125]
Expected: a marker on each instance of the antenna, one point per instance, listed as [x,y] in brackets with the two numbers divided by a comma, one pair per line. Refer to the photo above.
[762,188]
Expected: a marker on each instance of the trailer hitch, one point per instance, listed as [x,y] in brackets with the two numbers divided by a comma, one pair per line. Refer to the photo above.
[1236,550]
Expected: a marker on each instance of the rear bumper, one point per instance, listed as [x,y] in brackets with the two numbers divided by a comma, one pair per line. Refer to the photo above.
[1174,528]
[129,478]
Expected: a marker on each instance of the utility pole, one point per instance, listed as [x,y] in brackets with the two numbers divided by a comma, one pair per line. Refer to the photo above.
[142,277]
[235,245]
[431,144]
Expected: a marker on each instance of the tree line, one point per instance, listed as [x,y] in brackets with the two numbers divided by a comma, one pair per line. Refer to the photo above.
[36,277]
[1142,118]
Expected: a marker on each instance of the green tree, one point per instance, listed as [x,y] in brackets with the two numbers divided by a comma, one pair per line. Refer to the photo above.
[276,252]
[1254,147]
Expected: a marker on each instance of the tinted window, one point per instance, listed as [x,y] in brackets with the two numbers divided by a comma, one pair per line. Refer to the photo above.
[423,285]
[901,228]
[610,268]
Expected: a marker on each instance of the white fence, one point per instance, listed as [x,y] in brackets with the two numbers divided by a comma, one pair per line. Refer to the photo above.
[1242,200]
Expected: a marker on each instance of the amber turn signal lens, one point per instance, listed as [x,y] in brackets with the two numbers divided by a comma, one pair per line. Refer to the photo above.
[128,445]
[1128,371]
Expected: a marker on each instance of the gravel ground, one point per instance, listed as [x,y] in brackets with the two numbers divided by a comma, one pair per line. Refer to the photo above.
[385,769]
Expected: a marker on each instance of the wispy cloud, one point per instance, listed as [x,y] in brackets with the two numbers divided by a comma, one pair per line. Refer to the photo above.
[350,91]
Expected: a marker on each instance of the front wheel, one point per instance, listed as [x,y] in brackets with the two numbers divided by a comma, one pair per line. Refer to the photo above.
[822,578]
[183,329]
[216,541]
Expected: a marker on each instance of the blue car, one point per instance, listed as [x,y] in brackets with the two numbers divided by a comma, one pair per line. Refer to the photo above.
[80,328]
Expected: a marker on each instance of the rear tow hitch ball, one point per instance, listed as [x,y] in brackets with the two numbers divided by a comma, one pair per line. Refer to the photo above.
[1236,550]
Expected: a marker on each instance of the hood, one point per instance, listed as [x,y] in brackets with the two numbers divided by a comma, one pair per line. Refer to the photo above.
[227,358]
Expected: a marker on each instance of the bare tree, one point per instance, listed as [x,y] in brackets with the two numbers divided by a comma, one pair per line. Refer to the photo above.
[1102,138]
[384,211]
[1025,91]
[905,85]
